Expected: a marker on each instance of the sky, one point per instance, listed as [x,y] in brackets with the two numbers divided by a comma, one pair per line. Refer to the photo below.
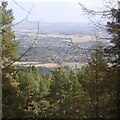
[57,11]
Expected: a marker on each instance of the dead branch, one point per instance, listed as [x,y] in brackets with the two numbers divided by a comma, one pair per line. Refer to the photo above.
[25,51]
[93,12]
[104,14]
[29,12]
[24,18]
[21,6]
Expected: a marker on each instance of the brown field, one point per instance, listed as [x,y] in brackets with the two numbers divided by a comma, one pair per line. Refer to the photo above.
[74,64]
[37,64]
[50,65]
[75,38]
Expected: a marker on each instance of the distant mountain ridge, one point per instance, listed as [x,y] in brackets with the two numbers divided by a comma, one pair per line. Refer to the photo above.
[53,27]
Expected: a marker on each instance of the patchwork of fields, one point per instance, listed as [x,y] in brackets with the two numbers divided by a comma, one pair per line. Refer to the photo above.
[54,49]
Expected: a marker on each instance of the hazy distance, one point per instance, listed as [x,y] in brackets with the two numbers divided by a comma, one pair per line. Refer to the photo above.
[52,11]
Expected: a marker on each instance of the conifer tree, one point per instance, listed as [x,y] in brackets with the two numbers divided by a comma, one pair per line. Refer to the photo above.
[12,102]
[113,28]
[97,80]
[59,90]
[67,97]
[78,99]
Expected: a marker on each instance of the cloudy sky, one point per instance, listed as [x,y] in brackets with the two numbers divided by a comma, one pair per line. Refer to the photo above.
[53,10]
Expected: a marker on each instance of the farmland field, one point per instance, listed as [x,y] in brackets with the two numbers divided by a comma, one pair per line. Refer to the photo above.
[54,49]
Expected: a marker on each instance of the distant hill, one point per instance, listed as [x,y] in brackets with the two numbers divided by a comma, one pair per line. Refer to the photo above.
[53,27]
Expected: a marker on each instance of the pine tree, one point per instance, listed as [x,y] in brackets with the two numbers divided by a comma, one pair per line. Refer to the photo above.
[97,80]
[67,97]
[78,99]
[33,89]
[113,28]
[59,90]
[12,102]
[29,86]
